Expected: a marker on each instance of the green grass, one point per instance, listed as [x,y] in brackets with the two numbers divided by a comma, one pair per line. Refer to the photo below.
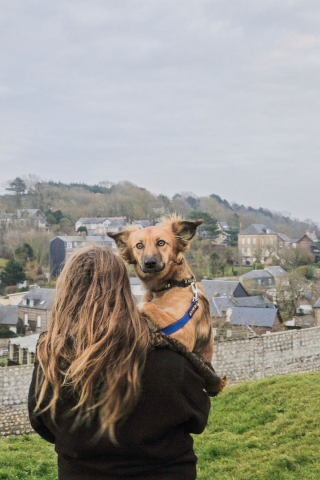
[263,430]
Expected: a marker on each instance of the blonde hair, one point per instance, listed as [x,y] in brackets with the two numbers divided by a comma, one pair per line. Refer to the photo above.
[96,344]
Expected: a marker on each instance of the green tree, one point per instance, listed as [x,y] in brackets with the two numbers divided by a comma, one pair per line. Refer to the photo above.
[13,273]
[215,263]
[24,253]
[18,187]
[316,251]
[232,236]
[209,228]
[82,229]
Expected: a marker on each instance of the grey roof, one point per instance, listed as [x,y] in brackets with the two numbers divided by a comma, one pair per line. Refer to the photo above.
[105,240]
[257,274]
[285,238]
[71,238]
[224,225]
[39,295]
[8,314]
[134,281]
[92,220]
[276,271]
[257,229]
[254,317]
[143,223]
[257,301]
[219,287]
[317,304]
[219,305]
[117,222]
[312,237]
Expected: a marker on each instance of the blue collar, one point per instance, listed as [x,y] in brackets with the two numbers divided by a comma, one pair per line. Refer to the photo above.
[174,327]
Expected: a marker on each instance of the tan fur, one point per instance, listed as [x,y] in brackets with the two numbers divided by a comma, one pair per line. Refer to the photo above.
[162,308]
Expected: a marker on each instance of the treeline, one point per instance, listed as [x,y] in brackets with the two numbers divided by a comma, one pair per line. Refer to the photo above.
[68,202]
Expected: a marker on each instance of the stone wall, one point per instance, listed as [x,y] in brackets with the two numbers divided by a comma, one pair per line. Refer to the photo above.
[279,353]
[296,351]
[14,387]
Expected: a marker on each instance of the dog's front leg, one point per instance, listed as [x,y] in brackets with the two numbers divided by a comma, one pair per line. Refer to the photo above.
[159,319]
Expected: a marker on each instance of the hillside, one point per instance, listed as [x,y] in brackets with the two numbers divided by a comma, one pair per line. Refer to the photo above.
[263,430]
[136,203]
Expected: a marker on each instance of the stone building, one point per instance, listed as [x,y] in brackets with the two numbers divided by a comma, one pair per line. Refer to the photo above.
[31,217]
[223,288]
[34,310]
[62,248]
[266,278]
[307,241]
[102,225]
[22,349]
[9,317]
[259,241]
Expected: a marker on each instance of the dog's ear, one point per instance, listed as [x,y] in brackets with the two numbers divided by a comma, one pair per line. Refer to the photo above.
[121,240]
[184,230]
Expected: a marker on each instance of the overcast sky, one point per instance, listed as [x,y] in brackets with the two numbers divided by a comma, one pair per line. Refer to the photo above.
[205,96]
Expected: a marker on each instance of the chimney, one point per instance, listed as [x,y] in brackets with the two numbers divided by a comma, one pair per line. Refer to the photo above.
[240,226]
[84,234]
[308,230]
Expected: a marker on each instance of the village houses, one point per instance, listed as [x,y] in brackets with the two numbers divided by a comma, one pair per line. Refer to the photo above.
[259,243]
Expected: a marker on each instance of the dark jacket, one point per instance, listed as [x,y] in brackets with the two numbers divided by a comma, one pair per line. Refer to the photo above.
[154,442]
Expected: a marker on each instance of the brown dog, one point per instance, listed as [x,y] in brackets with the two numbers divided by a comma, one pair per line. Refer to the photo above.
[157,256]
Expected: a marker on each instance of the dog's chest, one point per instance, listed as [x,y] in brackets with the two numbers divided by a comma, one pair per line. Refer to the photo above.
[174,302]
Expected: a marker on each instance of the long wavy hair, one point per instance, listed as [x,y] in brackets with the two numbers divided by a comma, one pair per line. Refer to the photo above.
[96,343]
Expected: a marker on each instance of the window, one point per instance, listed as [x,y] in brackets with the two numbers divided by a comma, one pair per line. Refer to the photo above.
[294,245]
[69,244]
[248,250]
[248,241]
[39,321]
[242,250]
[24,301]
[69,255]
[262,241]
[281,244]
[243,241]
[26,319]
[31,303]
[254,241]
[271,241]
[75,244]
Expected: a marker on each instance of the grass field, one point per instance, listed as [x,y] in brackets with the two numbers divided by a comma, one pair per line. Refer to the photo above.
[263,430]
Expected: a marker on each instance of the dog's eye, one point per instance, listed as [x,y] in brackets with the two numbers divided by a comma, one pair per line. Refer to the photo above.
[161,243]
[139,246]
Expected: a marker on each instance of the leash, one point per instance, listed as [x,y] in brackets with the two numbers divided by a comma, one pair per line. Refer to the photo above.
[174,327]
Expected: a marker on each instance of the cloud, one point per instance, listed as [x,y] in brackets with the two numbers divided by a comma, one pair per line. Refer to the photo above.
[205,96]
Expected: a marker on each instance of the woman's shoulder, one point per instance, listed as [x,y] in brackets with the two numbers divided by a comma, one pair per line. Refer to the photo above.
[170,366]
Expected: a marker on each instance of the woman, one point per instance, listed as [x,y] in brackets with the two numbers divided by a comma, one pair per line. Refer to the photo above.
[114,407]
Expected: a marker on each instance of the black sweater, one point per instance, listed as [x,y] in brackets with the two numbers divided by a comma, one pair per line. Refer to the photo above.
[154,442]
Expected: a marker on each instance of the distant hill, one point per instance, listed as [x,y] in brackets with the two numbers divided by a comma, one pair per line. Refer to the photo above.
[126,199]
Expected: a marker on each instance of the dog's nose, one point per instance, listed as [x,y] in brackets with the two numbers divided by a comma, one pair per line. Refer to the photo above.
[150,263]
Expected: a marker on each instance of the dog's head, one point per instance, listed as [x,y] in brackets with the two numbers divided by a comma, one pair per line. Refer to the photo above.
[156,250]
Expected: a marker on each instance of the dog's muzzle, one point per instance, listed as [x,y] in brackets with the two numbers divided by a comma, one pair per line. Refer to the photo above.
[151,265]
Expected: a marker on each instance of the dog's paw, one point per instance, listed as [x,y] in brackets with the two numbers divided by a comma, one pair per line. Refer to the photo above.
[140,306]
